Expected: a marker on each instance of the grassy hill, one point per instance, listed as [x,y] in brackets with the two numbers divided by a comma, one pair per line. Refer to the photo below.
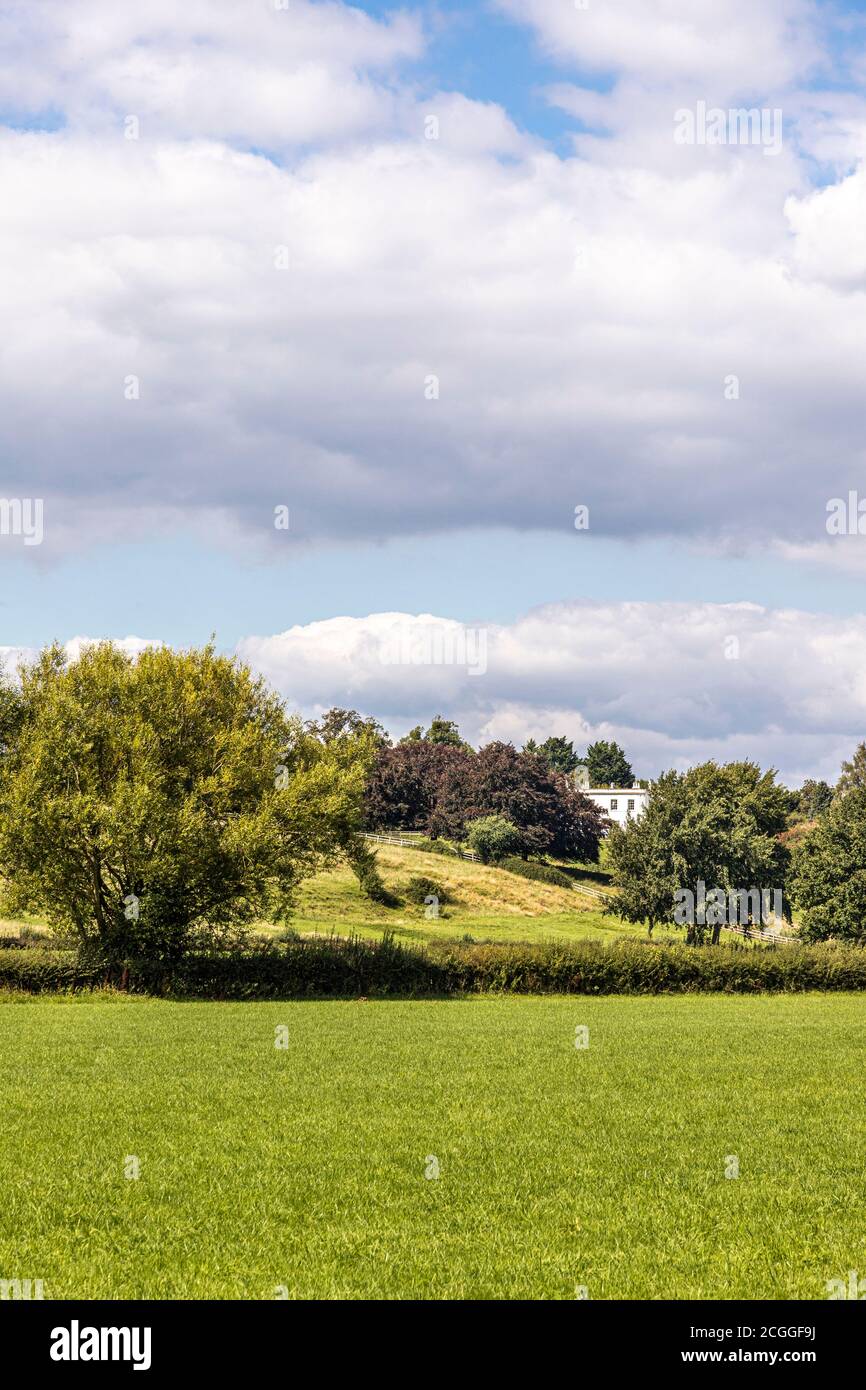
[487,903]
[484,902]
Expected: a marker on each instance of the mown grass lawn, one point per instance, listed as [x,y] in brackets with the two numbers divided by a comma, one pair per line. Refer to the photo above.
[305,1167]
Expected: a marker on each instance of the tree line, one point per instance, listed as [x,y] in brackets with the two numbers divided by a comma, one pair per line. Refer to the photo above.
[150,805]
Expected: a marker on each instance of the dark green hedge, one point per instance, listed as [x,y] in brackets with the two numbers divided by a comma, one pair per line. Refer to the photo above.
[541,873]
[42,969]
[346,969]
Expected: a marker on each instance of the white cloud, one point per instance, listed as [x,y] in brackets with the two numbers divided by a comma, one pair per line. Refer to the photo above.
[581,350]
[581,316]
[828,229]
[673,682]
[239,70]
[736,46]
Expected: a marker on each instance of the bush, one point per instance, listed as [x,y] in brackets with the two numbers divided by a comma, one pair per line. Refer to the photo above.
[493,838]
[542,873]
[420,887]
[47,970]
[364,863]
[436,847]
[26,936]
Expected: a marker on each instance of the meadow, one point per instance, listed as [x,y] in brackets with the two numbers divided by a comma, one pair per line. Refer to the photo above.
[485,902]
[307,1170]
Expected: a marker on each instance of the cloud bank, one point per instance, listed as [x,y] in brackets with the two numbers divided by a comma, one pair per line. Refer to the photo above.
[283,292]
[673,682]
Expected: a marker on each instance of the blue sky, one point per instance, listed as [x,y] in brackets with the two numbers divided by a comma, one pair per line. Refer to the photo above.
[181,590]
[477,50]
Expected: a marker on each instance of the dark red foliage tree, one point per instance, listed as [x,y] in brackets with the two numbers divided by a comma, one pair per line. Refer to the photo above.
[405,784]
[422,786]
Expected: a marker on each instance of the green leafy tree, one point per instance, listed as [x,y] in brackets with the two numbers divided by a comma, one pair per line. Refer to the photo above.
[149,805]
[347,723]
[558,753]
[11,711]
[641,860]
[814,799]
[719,825]
[828,879]
[445,733]
[854,772]
[442,733]
[607,765]
[493,838]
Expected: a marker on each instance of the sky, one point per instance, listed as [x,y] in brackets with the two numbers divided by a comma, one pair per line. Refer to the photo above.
[335,331]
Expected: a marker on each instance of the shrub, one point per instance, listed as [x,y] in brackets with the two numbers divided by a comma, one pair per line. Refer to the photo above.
[435,847]
[493,838]
[48,970]
[365,866]
[421,887]
[542,873]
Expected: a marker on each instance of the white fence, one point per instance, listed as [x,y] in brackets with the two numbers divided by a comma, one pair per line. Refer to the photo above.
[759,933]
[413,844]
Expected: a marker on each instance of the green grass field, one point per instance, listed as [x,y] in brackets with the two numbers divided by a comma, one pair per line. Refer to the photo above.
[305,1167]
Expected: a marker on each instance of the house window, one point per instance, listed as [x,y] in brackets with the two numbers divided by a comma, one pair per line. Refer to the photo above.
[631,805]
[613,803]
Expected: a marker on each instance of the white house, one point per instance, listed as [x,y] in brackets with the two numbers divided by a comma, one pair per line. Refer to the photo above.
[619,804]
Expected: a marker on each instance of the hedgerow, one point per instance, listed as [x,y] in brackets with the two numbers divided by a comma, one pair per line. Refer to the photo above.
[348,968]
[541,873]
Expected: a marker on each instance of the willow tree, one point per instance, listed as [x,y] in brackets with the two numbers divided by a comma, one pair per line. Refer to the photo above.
[155,803]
